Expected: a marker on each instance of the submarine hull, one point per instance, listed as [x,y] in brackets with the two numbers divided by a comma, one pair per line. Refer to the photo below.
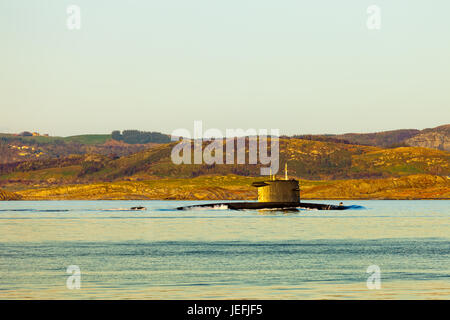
[267,205]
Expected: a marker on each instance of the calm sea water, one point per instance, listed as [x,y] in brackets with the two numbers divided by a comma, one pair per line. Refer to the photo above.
[163,253]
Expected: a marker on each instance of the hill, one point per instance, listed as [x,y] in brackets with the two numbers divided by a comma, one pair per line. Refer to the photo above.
[435,138]
[312,160]
[15,149]
[380,139]
[306,159]
[83,139]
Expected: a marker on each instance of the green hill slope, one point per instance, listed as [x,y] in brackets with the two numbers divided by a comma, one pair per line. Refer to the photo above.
[403,161]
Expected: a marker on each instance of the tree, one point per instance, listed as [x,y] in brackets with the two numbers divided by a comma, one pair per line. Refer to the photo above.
[116,135]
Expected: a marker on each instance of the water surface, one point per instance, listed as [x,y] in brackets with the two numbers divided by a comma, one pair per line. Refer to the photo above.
[163,253]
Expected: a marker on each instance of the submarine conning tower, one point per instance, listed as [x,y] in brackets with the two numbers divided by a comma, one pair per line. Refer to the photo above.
[278,191]
[275,190]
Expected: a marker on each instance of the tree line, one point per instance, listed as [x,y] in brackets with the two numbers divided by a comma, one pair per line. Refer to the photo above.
[140,137]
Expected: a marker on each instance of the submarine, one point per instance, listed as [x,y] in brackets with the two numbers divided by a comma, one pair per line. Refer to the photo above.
[274,194]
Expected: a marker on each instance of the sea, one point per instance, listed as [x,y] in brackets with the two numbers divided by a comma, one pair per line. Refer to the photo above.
[379,249]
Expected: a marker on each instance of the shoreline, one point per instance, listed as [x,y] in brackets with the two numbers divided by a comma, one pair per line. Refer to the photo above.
[232,187]
[303,199]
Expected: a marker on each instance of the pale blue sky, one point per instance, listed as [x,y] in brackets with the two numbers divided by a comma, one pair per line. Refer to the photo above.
[300,66]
